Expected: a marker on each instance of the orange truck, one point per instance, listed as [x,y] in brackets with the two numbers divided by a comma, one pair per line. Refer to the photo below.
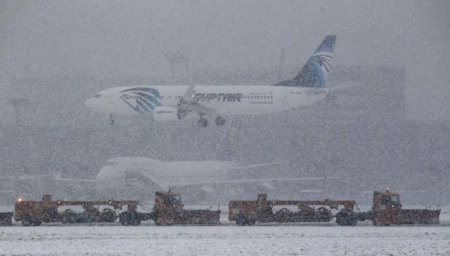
[263,211]
[387,210]
[168,210]
[33,213]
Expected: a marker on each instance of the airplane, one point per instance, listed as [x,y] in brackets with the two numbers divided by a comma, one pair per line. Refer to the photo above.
[142,176]
[175,102]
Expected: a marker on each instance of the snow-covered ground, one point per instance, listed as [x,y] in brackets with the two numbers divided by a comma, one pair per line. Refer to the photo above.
[225,240]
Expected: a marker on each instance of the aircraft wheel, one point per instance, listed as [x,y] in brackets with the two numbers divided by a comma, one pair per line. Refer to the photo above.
[220,121]
[181,114]
[111,119]
[202,122]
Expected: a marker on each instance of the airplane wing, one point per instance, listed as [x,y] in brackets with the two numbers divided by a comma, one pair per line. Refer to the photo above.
[243,181]
[268,183]
[58,177]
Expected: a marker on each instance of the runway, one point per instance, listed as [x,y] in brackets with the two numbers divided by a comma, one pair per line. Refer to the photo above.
[225,240]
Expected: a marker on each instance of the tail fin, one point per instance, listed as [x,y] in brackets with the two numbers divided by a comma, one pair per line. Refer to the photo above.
[315,72]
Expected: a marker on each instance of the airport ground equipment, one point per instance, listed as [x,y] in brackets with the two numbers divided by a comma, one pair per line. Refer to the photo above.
[169,210]
[387,210]
[33,213]
[262,211]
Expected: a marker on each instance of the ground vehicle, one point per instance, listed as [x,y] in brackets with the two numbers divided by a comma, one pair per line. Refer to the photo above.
[46,210]
[387,210]
[262,211]
[168,210]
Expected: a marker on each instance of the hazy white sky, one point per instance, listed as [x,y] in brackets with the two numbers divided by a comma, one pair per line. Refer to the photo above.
[128,38]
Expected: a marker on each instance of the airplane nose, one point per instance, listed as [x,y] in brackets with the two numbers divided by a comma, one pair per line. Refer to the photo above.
[98,104]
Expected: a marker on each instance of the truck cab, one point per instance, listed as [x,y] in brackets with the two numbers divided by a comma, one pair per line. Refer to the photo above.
[386,200]
[387,210]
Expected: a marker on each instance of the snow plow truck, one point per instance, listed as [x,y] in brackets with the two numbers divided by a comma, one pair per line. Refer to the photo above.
[168,210]
[386,210]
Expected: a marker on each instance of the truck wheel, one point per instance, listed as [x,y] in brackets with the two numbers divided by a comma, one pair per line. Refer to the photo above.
[37,223]
[241,221]
[123,219]
[129,219]
[374,221]
[69,216]
[136,221]
[352,221]
[108,215]
[346,219]
[26,221]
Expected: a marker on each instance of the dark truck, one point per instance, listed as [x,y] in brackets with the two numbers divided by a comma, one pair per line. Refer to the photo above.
[6,218]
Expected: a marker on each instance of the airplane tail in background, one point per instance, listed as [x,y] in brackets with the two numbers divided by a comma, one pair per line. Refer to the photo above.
[315,72]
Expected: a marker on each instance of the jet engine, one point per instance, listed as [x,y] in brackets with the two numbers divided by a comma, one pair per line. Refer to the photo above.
[165,114]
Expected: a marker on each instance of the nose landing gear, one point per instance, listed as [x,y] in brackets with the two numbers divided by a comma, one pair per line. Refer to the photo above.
[111,119]
[181,114]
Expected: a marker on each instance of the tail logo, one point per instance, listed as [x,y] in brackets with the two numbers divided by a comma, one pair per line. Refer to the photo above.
[141,99]
[324,60]
[314,73]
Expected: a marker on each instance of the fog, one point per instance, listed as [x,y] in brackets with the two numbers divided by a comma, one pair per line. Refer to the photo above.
[390,128]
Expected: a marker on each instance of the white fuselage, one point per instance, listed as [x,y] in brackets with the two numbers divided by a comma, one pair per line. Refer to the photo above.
[117,172]
[225,100]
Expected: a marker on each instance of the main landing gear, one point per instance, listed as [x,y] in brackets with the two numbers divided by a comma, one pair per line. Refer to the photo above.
[203,122]
[111,119]
[219,121]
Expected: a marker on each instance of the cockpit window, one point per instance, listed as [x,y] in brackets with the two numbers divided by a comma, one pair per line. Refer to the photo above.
[395,199]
